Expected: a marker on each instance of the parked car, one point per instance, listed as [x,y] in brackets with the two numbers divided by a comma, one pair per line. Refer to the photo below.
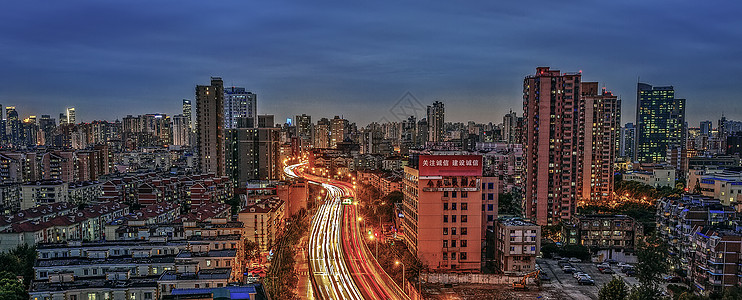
[603,265]
[575,260]
[610,261]
[578,274]
[621,265]
[607,271]
[585,281]
[626,269]
[563,263]
[630,273]
[569,269]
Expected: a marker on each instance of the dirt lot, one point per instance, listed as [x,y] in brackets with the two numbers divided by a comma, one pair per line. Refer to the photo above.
[491,292]
[562,286]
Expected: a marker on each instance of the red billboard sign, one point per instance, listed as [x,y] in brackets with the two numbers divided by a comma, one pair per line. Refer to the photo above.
[450,165]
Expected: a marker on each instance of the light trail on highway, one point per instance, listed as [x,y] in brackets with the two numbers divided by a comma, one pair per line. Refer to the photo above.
[341,265]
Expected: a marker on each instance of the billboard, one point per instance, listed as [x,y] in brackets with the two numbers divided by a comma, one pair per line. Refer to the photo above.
[450,165]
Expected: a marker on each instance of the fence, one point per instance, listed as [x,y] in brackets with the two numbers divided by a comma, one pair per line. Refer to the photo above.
[443,278]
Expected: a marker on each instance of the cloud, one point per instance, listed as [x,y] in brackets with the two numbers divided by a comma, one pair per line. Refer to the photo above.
[328,58]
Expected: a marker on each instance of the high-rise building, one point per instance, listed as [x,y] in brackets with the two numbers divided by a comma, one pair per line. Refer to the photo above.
[181,130]
[628,141]
[338,131]
[71,118]
[322,133]
[62,118]
[210,127]
[12,126]
[239,103]
[187,112]
[436,121]
[551,145]
[422,132]
[509,128]
[706,127]
[660,122]
[253,154]
[304,131]
[599,117]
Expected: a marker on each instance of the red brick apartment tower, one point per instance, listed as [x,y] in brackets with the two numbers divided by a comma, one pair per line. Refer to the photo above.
[600,116]
[551,149]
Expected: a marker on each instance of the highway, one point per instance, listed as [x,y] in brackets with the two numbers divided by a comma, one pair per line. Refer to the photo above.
[341,265]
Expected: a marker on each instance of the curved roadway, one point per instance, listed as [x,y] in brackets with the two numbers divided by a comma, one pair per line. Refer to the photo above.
[341,265]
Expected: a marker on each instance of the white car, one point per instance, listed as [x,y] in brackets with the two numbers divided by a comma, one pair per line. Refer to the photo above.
[621,265]
[578,274]
[575,260]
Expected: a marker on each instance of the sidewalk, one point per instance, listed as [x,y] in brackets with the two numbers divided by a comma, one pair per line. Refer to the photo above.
[304,286]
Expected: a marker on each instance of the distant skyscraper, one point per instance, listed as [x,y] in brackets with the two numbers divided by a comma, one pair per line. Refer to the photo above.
[13,126]
[62,118]
[71,118]
[509,128]
[304,131]
[436,121]
[628,141]
[338,131]
[188,112]
[660,122]
[181,130]
[422,132]
[239,103]
[322,133]
[210,127]
[706,127]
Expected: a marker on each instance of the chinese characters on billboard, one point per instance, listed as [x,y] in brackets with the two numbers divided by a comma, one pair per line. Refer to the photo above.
[450,165]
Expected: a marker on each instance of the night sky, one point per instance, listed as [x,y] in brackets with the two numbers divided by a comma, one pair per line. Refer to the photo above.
[357,58]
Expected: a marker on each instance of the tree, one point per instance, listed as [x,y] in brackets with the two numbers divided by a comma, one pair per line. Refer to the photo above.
[652,253]
[615,289]
[252,250]
[11,288]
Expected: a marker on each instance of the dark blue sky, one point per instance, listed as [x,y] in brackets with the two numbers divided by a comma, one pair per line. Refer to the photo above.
[358,58]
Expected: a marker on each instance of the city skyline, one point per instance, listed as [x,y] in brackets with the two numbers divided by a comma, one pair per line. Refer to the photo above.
[359,62]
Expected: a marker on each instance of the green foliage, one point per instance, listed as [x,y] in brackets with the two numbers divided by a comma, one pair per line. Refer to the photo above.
[615,289]
[642,212]
[551,232]
[643,292]
[509,203]
[282,279]
[638,190]
[19,262]
[389,253]
[676,290]
[652,255]
[234,204]
[251,249]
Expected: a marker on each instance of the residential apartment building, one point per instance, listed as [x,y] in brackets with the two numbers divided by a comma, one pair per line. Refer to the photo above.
[264,220]
[517,243]
[442,201]
[658,176]
[210,127]
[611,236]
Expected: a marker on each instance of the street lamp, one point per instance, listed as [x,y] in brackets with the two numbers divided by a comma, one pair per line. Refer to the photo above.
[401,263]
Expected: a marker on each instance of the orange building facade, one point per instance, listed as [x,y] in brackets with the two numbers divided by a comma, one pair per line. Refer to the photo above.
[442,211]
